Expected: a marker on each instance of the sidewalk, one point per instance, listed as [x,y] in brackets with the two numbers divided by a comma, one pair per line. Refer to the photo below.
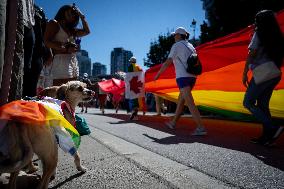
[107,168]
[175,174]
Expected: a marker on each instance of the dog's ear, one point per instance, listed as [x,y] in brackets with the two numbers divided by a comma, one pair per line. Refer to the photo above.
[61,91]
[49,91]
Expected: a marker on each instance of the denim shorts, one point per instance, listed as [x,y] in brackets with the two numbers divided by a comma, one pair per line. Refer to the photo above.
[183,82]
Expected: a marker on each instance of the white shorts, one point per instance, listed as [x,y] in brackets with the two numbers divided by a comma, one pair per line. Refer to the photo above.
[65,66]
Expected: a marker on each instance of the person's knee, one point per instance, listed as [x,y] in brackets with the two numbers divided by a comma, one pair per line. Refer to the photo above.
[247,104]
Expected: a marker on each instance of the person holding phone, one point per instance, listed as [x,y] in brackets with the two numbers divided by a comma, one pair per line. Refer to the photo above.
[60,35]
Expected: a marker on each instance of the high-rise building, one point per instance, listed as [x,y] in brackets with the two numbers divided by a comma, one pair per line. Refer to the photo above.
[84,62]
[98,69]
[119,60]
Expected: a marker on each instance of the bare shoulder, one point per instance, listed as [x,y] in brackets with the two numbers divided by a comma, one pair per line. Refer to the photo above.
[53,25]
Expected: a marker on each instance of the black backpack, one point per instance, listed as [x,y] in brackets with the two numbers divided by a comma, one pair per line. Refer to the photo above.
[194,65]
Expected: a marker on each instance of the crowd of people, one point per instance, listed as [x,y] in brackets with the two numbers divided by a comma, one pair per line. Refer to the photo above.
[50,51]
[54,44]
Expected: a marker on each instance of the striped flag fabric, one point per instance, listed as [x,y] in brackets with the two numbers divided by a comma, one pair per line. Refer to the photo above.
[219,88]
[38,115]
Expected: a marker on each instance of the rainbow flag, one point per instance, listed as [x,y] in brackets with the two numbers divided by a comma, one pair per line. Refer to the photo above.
[219,89]
[37,114]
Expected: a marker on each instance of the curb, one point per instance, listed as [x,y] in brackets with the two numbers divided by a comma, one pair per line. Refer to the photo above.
[176,174]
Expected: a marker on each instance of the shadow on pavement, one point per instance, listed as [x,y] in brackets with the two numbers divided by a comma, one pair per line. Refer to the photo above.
[227,134]
[67,180]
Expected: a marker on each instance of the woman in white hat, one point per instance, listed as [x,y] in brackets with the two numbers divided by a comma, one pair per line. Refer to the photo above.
[179,54]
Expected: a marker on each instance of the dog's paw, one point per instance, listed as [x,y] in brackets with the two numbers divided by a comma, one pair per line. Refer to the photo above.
[77,162]
[81,169]
[32,170]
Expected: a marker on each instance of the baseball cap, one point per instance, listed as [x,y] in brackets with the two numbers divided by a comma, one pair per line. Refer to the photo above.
[180,30]
[85,75]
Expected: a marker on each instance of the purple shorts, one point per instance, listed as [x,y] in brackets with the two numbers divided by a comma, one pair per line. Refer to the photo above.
[183,82]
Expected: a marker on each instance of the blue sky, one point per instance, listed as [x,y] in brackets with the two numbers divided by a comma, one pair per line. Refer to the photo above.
[131,24]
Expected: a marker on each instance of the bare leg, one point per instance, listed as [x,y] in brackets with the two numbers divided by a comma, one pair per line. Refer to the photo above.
[179,109]
[77,162]
[86,106]
[158,105]
[82,110]
[103,107]
[117,107]
[187,96]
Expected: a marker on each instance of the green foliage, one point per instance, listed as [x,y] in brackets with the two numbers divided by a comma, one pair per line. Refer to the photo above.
[159,50]
[225,17]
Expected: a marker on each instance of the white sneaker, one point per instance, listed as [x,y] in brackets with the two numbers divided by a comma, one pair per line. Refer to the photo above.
[170,125]
[199,131]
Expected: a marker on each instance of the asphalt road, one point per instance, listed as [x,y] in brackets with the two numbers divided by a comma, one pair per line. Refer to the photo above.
[144,154]
[224,155]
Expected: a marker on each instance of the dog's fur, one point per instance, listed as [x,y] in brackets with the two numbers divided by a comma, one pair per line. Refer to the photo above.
[24,140]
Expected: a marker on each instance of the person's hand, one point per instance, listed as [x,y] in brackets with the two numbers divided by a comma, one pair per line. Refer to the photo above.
[71,47]
[245,80]
[77,11]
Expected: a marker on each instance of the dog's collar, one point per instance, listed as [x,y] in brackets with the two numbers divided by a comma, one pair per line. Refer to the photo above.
[66,106]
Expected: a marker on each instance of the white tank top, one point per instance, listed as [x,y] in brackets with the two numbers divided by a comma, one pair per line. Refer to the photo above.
[62,36]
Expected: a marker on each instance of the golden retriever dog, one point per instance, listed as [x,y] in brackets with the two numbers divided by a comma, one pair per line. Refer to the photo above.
[21,141]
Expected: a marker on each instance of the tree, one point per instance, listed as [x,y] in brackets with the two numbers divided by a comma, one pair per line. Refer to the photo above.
[225,17]
[159,50]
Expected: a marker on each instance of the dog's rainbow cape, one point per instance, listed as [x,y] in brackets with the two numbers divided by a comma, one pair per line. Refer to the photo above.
[38,114]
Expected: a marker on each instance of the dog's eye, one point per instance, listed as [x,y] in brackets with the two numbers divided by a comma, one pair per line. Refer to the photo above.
[72,88]
[81,89]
